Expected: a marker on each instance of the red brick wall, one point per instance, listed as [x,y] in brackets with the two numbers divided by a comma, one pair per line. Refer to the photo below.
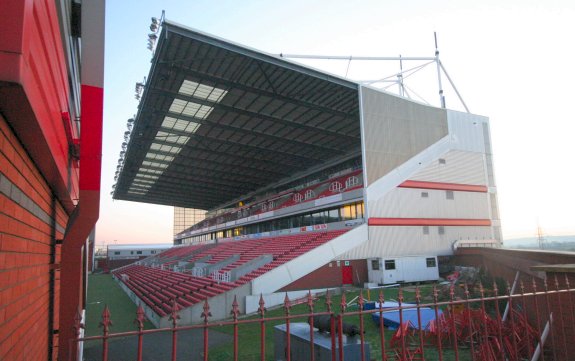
[30,222]
[330,275]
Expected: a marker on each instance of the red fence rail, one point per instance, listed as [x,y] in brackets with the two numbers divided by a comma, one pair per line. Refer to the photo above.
[539,324]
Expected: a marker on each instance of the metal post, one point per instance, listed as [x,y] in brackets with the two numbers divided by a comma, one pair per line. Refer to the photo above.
[361,328]
[261,311]
[441,97]
[438,322]
[311,326]
[288,339]
[381,329]
[139,321]
[453,326]
[174,317]
[235,312]
[105,324]
[561,323]
[343,306]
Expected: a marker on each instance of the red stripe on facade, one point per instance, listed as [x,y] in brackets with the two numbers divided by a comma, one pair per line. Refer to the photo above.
[91,146]
[427,222]
[444,186]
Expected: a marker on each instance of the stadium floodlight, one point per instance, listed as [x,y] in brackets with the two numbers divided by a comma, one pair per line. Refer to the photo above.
[155,25]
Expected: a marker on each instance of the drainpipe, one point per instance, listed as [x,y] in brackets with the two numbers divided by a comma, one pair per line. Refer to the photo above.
[84,217]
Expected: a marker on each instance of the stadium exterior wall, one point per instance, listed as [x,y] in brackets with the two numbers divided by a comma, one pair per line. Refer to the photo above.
[43,231]
[331,275]
[429,178]
[31,219]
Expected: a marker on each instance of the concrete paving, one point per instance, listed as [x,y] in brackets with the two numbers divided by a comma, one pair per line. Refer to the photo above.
[157,346]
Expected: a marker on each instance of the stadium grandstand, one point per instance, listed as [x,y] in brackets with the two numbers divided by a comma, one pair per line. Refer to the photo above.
[304,177]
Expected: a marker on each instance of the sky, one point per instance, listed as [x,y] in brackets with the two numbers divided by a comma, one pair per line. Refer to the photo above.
[510,60]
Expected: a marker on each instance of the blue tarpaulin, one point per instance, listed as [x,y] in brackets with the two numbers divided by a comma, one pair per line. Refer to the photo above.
[391,318]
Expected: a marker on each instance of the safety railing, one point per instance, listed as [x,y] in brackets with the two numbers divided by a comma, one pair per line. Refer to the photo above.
[530,320]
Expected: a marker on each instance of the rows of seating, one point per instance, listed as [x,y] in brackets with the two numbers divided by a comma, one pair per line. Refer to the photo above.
[288,199]
[159,284]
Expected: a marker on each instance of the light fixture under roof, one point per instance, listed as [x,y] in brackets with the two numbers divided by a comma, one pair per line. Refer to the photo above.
[202,91]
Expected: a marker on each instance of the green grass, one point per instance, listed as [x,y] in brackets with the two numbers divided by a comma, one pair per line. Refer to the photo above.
[102,291]
[249,334]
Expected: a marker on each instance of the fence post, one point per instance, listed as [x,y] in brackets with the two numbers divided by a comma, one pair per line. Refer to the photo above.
[537,316]
[310,320]
[471,331]
[105,324]
[174,317]
[512,321]
[453,326]
[381,300]
[561,323]
[328,306]
[438,323]
[288,338]
[498,315]
[205,314]
[262,311]
[235,312]
[361,328]
[418,303]
[139,321]
[524,309]
[343,306]
[552,333]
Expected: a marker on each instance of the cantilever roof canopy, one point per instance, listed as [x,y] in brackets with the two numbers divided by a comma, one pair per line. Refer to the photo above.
[218,121]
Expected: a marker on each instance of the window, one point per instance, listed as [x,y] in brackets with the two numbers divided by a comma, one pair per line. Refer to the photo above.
[430,262]
[335,187]
[351,182]
[309,194]
[441,230]
[425,229]
[389,264]
[131,252]
[116,253]
[153,252]
[441,161]
[297,197]
[424,195]
[375,264]
[449,195]
[139,252]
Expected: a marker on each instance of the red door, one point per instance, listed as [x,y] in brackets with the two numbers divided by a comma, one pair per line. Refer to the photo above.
[346,275]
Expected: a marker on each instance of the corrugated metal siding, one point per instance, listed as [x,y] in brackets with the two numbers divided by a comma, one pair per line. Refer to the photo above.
[409,241]
[460,167]
[396,129]
[408,203]
[466,131]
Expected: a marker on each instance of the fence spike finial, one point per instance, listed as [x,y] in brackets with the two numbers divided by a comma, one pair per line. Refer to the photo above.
[310,301]
[174,315]
[343,303]
[262,308]
[106,319]
[495,289]
[360,300]
[206,313]
[328,301]
[78,323]
[140,318]
[287,304]
[381,297]
[235,308]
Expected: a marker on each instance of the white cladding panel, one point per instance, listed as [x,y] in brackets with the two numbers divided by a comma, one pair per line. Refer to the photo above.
[455,167]
[409,203]
[392,241]
[466,131]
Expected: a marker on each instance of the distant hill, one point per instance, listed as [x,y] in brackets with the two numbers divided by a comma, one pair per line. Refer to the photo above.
[562,243]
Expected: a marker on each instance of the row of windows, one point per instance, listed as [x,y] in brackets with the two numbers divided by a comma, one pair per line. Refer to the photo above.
[448,195]
[389,264]
[117,253]
[336,214]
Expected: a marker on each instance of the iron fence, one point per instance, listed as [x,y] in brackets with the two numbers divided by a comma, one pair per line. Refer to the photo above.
[535,322]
